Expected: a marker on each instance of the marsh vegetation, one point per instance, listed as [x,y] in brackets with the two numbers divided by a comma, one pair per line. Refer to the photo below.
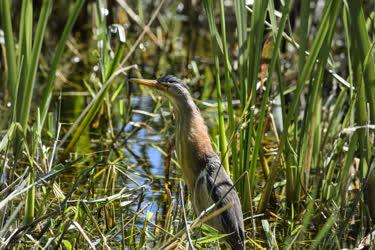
[287,90]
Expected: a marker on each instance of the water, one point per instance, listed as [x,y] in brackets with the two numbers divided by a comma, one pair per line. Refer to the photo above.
[142,166]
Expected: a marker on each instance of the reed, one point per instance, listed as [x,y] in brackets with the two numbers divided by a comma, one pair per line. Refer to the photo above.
[310,143]
[288,93]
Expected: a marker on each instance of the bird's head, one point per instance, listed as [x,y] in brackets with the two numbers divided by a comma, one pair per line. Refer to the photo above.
[170,86]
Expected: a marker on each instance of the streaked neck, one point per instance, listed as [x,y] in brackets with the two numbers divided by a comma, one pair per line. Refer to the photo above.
[191,129]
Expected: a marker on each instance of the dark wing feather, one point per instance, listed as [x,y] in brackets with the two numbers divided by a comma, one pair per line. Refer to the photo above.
[220,188]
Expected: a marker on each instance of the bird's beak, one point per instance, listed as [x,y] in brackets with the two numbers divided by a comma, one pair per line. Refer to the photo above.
[147,82]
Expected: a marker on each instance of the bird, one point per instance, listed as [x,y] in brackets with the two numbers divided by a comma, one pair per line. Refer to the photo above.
[203,173]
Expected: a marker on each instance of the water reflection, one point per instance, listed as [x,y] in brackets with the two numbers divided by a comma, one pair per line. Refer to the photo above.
[140,165]
[149,161]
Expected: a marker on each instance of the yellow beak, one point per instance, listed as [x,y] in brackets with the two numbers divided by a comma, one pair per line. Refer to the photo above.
[147,82]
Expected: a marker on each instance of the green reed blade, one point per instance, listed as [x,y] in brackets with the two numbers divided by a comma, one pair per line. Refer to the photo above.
[47,93]
[9,46]
[27,91]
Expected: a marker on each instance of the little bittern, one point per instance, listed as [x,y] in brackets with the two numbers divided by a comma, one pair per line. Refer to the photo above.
[203,173]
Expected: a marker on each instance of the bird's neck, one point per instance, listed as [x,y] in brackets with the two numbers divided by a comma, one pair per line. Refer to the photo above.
[192,129]
[193,143]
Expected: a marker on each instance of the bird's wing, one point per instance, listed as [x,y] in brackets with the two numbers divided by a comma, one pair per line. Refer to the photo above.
[219,189]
